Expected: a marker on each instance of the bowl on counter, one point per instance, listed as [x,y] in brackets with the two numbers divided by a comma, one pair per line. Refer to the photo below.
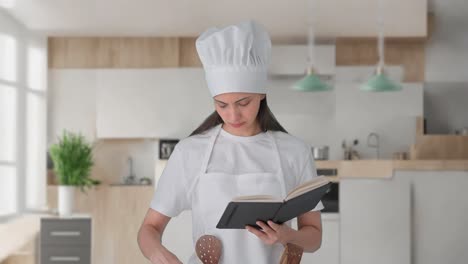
[320,152]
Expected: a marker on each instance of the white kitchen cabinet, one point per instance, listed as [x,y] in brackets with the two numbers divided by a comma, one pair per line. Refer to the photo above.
[151,103]
[329,252]
[375,221]
[72,102]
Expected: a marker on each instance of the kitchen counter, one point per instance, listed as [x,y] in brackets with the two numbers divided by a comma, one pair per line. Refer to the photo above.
[117,213]
[386,168]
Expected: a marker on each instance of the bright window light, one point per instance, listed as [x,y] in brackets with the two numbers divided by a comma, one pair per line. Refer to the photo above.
[37,65]
[8,197]
[8,47]
[7,3]
[7,123]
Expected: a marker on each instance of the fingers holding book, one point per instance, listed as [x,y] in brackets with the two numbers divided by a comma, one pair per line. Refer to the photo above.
[271,233]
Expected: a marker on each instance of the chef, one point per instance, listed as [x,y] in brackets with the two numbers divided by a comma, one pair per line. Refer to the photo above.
[240,149]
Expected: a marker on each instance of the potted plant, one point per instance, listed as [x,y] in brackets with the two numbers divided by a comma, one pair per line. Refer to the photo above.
[73,160]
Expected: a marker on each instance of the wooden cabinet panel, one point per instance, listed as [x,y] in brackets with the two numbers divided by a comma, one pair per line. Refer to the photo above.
[363,51]
[188,56]
[162,52]
[113,52]
[72,52]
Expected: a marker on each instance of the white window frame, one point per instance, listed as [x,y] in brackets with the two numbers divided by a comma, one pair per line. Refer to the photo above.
[25,41]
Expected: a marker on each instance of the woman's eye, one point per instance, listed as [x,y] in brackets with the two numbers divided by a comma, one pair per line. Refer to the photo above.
[222,106]
[244,104]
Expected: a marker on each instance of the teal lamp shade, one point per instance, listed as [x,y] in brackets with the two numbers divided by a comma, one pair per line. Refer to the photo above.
[311,83]
[380,83]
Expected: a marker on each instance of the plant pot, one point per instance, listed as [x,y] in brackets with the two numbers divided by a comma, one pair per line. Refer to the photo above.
[66,199]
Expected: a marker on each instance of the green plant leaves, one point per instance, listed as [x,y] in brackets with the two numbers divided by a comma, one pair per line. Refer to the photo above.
[73,160]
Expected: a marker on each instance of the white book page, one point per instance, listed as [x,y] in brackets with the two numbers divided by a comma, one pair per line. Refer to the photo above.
[257,198]
[307,186]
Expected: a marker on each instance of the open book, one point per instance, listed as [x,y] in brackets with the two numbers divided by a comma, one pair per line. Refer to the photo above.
[246,210]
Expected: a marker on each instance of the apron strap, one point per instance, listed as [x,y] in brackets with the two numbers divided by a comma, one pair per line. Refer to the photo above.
[209,150]
[206,157]
[280,173]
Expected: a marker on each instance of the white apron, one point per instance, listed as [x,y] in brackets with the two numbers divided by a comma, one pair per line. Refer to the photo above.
[211,194]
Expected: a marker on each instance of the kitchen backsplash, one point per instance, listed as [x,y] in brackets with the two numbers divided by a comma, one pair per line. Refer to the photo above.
[112,164]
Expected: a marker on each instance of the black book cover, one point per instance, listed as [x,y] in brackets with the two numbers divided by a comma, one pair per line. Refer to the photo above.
[239,214]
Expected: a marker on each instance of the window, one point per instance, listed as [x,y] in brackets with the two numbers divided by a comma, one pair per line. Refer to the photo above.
[23,71]
[8,126]
[8,54]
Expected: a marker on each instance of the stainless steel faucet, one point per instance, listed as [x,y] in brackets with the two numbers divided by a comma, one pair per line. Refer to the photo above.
[130,179]
[376,144]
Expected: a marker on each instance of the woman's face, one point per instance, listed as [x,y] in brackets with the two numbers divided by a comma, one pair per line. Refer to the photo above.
[238,110]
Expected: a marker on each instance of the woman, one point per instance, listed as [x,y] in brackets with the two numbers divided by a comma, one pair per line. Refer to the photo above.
[240,149]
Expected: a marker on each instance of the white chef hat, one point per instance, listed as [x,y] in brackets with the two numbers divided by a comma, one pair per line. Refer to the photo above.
[235,58]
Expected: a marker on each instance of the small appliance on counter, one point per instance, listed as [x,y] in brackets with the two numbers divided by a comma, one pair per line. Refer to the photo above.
[349,153]
[400,155]
[462,131]
[166,146]
[320,152]
[145,181]
[330,200]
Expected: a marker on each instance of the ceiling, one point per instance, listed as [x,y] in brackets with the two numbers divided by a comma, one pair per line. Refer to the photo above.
[190,17]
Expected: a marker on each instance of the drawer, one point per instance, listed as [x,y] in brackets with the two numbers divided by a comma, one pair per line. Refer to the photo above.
[65,231]
[65,255]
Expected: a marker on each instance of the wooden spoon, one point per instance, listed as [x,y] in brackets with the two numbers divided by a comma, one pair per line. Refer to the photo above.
[208,249]
[292,254]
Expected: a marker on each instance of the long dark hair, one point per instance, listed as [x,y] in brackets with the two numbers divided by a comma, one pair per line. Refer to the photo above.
[265,118]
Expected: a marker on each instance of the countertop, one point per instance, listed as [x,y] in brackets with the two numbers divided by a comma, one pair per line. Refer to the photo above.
[386,168]
[372,168]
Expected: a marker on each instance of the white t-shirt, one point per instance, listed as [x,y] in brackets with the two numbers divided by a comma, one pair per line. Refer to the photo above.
[234,155]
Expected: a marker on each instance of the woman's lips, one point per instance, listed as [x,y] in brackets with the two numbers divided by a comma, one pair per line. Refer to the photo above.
[238,125]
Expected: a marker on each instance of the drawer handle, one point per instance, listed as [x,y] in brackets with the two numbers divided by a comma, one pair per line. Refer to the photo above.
[60,258]
[65,233]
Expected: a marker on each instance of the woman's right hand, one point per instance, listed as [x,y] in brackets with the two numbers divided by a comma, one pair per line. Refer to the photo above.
[164,256]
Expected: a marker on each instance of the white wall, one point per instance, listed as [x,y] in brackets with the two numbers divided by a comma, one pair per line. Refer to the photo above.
[447,49]
[445,105]
[72,103]
[347,113]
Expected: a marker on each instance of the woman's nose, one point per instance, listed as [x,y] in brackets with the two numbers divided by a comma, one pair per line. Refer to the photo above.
[234,113]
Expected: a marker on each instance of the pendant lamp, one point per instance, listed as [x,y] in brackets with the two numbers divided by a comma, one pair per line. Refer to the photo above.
[380,82]
[311,82]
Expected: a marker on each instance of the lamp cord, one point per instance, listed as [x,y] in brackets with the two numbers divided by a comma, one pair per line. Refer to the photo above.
[380,22]
[311,37]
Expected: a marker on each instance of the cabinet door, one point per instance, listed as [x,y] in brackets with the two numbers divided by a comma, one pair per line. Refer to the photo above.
[375,221]
[329,252]
[151,103]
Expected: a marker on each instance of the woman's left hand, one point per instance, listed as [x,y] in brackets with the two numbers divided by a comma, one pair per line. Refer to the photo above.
[272,233]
